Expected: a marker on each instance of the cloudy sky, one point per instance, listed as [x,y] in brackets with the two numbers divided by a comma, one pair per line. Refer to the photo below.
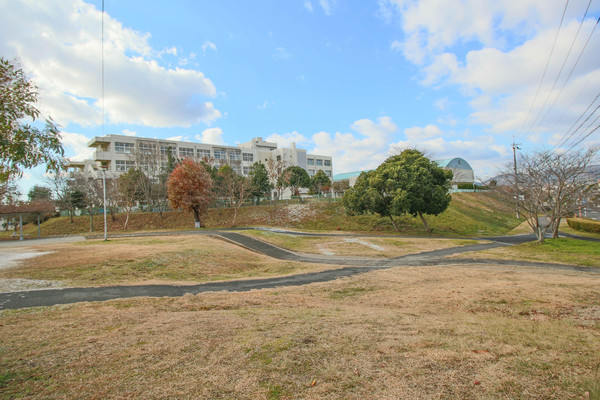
[347,78]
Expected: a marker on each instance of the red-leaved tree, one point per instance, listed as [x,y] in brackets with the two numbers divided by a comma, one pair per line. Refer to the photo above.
[189,188]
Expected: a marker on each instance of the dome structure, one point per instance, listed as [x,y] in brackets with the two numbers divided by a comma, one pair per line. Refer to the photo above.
[463,173]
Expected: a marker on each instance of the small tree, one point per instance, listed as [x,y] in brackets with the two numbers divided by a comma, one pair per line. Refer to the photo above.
[340,186]
[130,188]
[40,193]
[295,178]
[320,182]
[235,189]
[406,183]
[190,188]
[275,170]
[259,181]
[549,186]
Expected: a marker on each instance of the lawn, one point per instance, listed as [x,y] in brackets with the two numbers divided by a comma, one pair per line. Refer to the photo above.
[385,247]
[562,251]
[149,260]
[414,333]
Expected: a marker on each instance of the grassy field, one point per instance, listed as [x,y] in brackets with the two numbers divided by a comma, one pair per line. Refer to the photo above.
[562,251]
[469,214]
[411,333]
[385,247]
[162,259]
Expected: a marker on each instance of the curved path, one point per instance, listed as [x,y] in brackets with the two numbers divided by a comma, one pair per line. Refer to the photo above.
[353,265]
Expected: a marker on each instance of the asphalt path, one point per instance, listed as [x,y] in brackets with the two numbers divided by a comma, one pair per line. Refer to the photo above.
[352,266]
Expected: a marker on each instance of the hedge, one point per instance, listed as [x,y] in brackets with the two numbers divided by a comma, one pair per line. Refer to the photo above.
[585,225]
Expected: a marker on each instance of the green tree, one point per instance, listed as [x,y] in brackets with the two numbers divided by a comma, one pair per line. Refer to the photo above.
[320,182]
[259,180]
[295,178]
[40,193]
[21,144]
[406,183]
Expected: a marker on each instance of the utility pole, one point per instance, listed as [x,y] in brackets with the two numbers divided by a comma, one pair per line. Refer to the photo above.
[516,147]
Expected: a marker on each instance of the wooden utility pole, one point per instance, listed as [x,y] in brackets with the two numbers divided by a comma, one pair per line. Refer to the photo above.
[516,147]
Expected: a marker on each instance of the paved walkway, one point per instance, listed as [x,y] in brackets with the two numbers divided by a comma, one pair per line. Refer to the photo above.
[354,265]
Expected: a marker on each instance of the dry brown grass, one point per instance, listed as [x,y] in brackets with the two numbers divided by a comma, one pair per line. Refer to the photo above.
[386,247]
[142,260]
[410,333]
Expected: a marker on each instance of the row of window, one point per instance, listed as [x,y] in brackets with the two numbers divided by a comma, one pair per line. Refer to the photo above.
[311,173]
[318,162]
[149,148]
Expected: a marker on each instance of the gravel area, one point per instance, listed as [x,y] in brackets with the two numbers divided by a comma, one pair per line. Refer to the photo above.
[20,285]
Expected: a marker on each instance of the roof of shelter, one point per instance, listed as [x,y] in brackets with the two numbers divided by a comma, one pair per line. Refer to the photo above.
[457,163]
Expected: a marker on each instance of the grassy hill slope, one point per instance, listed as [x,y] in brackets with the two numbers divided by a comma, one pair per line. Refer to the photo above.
[469,214]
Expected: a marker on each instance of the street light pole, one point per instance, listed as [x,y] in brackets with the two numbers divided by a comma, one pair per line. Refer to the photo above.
[104,201]
[516,147]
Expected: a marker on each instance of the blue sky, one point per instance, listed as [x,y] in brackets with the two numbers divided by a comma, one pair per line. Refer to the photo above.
[351,79]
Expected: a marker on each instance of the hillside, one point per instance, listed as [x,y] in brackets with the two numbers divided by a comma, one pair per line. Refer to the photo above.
[469,214]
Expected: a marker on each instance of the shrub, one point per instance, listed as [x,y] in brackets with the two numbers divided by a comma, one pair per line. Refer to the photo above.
[464,185]
[584,225]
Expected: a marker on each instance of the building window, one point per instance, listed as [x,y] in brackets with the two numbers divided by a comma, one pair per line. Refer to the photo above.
[319,162]
[235,155]
[202,153]
[164,149]
[311,172]
[220,155]
[328,173]
[278,158]
[147,148]
[327,163]
[310,161]
[125,148]
[248,157]
[246,170]
[186,152]
[124,166]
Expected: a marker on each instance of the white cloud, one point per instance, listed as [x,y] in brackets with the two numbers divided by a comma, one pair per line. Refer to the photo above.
[281,54]
[75,145]
[308,5]
[178,138]
[327,6]
[127,132]
[286,139]
[495,53]
[211,136]
[364,150]
[264,105]
[60,48]
[208,45]
[417,133]
[442,104]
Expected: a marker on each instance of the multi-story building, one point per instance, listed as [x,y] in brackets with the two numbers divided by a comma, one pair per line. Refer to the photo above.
[117,154]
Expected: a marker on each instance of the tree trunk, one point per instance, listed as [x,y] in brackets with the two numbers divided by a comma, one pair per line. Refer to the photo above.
[539,233]
[424,221]
[555,230]
[394,223]
[197,224]
[234,215]
[126,221]
[71,215]
[91,220]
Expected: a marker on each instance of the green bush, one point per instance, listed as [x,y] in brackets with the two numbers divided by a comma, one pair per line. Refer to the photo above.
[464,185]
[584,225]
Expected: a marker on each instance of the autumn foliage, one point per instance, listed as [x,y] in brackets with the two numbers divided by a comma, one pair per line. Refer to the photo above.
[189,188]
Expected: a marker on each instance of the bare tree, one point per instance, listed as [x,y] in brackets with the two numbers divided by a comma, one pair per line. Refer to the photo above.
[275,170]
[549,186]
[91,187]
[236,189]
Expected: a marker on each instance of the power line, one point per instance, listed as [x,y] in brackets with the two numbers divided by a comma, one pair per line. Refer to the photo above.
[559,72]
[571,72]
[546,67]
[568,136]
